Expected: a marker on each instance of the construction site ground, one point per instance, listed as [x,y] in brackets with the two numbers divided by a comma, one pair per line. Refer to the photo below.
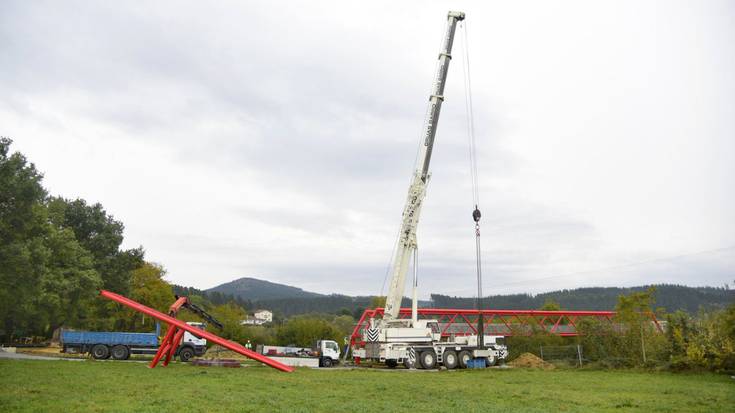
[42,385]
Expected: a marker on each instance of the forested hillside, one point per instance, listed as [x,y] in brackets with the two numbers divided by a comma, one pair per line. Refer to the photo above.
[255,289]
[669,297]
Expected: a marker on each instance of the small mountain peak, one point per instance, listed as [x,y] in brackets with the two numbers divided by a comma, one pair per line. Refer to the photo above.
[252,289]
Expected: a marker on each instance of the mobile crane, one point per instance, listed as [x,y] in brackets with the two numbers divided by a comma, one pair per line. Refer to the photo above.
[393,340]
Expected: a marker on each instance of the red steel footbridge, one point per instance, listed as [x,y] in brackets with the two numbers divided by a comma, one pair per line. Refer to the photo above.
[464,322]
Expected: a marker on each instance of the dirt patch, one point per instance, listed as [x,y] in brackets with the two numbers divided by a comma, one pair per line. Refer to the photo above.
[219,352]
[529,360]
[49,352]
[216,363]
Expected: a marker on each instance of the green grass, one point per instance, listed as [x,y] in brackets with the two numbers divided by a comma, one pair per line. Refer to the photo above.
[78,386]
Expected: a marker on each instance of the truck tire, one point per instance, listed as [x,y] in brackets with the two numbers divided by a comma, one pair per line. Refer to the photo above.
[428,359]
[120,352]
[326,362]
[450,359]
[464,357]
[185,354]
[391,363]
[100,352]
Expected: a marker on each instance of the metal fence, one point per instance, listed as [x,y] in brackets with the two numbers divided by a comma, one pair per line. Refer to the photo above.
[571,354]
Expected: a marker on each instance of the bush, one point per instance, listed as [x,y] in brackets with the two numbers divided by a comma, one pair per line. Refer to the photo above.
[303,331]
[523,342]
[707,342]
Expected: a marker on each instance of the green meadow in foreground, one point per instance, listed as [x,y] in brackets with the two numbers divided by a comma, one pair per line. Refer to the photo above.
[71,386]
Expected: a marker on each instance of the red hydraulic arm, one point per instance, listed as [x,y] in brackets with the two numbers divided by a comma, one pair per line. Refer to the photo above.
[176,330]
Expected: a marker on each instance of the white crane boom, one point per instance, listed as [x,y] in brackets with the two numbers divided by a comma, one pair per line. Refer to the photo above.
[417,190]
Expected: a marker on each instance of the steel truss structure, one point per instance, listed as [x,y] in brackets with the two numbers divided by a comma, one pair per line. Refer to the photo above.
[176,330]
[462,322]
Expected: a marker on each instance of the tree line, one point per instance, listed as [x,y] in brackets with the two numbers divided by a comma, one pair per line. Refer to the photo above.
[55,254]
[701,341]
[667,296]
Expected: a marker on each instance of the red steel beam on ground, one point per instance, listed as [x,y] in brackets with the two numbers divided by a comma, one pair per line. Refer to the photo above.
[172,322]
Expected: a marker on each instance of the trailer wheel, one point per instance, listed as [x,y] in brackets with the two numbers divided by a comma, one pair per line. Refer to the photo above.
[100,352]
[464,357]
[327,362]
[450,359]
[185,354]
[428,359]
[120,352]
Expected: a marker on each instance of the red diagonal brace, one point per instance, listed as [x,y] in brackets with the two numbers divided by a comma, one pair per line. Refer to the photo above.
[165,344]
[174,346]
[172,322]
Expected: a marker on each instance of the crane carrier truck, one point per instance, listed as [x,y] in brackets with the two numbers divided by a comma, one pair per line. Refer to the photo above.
[413,342]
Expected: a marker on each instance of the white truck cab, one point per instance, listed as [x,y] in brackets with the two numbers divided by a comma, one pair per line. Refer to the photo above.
[192,345]
[328,352]
[191,338]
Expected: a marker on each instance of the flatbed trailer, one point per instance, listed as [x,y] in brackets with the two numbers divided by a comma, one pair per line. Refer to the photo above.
[120,345]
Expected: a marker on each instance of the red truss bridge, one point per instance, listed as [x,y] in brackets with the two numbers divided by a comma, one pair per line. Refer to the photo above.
[461,322]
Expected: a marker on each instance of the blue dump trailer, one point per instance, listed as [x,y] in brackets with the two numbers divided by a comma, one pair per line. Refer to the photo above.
[120,345]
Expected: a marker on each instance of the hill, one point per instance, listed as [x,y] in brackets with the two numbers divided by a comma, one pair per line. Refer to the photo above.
[669,297]
[253,289]
[288,300]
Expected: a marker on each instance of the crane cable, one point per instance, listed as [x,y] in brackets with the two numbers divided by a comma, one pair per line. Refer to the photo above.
[476,214]
[470,118]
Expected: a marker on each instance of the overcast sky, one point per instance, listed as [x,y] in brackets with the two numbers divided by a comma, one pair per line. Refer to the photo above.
[277,140]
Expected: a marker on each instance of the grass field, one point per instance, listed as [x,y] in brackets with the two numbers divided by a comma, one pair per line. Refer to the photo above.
[67,386]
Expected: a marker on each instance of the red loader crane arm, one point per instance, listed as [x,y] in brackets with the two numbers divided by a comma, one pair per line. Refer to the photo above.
[186,303]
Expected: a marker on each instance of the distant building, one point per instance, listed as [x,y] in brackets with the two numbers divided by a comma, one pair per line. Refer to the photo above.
[258,318]
[263,315]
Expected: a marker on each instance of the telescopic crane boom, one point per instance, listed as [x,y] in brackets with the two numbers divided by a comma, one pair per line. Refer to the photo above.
[406,245]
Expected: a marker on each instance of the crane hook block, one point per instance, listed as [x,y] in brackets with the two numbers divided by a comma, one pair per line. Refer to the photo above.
[476,214]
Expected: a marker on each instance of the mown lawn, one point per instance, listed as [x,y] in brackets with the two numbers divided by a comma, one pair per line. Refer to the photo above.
[69,386]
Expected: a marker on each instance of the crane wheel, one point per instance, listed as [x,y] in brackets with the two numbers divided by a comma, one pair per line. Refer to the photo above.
[428,359]
[491,361]
[464,357]
[391,363]
[450,359]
